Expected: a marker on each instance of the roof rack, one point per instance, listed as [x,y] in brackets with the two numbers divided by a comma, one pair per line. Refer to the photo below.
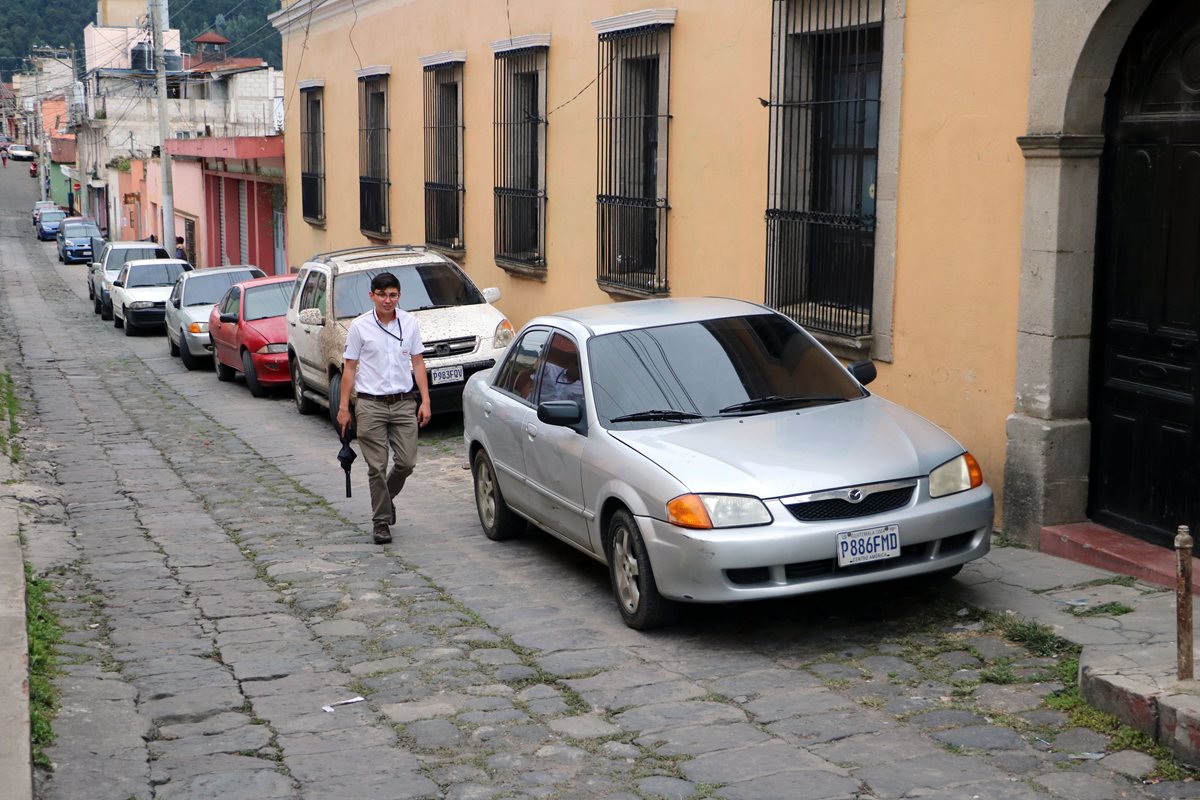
[378,248]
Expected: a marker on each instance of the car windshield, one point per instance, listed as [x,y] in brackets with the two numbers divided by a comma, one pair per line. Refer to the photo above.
[118,256]
[153,275]
[205,290]
[422,286]
[80,230]
[267,301]
[52,216]
[676,374]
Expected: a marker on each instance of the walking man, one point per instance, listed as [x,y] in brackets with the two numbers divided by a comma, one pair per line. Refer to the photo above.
[383,363]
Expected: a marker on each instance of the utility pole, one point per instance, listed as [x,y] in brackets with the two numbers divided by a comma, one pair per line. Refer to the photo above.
[158,12]
[38,128]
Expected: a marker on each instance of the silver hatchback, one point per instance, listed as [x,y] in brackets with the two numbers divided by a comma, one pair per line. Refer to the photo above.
[710,450]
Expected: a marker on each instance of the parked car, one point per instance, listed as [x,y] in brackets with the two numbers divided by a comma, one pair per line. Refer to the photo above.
[461,330]
[140,292]
[104,270]
[75,240]
[19,152]
[42,205]
[248,328]
[47,224]
[710,450]
[192,299]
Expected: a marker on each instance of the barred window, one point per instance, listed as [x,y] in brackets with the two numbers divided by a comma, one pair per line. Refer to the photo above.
[520,157]
[631,169]
[312,153]
[824,138]
[444,156]
[373,181]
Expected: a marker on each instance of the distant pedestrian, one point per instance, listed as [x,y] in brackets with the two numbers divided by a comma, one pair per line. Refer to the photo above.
[4,157]
[383,362]
[180,253]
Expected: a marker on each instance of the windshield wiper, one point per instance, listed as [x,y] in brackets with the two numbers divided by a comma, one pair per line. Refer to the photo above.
[776,401]
[427,308]
[657,414]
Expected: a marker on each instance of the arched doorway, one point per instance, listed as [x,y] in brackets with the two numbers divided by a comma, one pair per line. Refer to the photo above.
[1145,371]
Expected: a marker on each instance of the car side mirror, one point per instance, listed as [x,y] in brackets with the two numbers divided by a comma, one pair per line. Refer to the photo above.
[228,318]
[118,283]
[175,303]
[863,371]
[565,413]
[311,316]
[491,294]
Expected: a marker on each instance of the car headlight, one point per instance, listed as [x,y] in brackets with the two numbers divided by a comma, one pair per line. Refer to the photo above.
[271,348]
[141,304]
[957,475]
[198,327]
[504,334]
[706,511]
[107,285]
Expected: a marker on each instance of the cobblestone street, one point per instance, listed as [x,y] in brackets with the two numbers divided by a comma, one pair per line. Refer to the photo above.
[218,590]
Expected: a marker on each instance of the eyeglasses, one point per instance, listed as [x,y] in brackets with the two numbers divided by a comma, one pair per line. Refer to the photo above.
[387,295]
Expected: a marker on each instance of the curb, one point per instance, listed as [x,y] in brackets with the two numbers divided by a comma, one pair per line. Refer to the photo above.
[16,766]
[1139,688]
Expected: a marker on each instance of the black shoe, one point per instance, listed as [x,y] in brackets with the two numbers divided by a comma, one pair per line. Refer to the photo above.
[383,534]
[393,519]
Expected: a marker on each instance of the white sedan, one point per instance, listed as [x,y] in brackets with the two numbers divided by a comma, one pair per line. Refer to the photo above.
[140,292]
[18,152]
[710,450]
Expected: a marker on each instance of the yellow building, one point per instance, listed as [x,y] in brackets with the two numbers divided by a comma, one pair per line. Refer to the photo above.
[936,185]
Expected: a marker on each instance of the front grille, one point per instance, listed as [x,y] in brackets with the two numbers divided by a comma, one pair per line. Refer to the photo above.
[836,508]
[446,348]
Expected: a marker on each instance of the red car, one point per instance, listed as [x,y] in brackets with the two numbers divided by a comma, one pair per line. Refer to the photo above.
[248,327]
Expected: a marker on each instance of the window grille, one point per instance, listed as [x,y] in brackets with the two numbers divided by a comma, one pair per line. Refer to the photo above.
[520,156]
[631,166]
[373,181]
[312,153]
[824,137]
[443,155]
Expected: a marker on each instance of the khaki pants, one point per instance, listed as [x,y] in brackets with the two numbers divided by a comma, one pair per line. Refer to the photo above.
[381,425]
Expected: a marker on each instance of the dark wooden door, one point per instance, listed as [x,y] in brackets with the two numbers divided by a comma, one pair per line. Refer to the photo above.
[1146,365]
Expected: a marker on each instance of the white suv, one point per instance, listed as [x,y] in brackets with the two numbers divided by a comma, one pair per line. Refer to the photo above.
[461,330]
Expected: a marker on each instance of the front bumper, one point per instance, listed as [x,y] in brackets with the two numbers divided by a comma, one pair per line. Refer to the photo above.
[789,557]
[76,254]
[271,368]
[198,344]
[147,317]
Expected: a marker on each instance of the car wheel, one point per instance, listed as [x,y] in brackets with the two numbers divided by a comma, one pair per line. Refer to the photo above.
[498,520]
[638,600]
[303,404]
[335,397]
[106,311]
[173,348]
[130,328]
[96,305]
[91,291]
[185,355]
[224,373]
[117,321]
[256,388]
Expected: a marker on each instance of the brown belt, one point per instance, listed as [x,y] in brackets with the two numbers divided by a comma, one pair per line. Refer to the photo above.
[388,398]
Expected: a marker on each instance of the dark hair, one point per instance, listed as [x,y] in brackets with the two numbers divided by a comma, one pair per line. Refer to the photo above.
[178,240]
[384,280]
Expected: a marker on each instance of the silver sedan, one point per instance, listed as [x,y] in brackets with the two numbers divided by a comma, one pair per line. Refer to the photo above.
[710,450]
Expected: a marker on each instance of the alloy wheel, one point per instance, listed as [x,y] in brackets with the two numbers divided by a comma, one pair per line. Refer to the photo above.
[625,571]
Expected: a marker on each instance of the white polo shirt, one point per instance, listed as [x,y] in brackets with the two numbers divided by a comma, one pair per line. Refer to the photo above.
[383,352]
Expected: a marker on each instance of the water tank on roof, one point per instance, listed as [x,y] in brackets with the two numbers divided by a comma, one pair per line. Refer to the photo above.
[141,57]
[172,60]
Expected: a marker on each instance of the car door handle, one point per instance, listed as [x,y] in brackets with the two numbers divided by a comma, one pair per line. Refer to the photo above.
[487,408]
[531,429]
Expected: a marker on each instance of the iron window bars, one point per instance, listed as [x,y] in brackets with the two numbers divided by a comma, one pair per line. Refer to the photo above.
[824,137]
[444,155]
[312,153]
[631,160]
[519,130]
[373,181]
